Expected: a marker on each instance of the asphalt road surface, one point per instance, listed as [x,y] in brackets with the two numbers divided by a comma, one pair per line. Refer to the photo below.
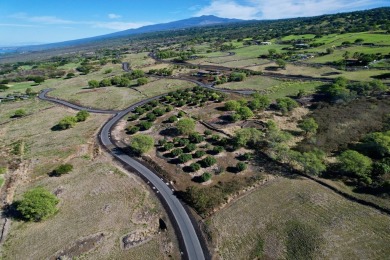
[193,248]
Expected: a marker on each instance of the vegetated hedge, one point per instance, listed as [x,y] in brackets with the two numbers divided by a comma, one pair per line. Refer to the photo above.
[340,125]
[204,200]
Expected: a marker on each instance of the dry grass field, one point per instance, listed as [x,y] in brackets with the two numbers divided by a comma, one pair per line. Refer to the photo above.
[327,225]
[97,197]
[115,97]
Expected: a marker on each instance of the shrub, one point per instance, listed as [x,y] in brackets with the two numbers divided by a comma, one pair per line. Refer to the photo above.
[207,132]
[82,115]
[185,158]
[20,113]
[176,152]
[151,117]
[205,177]
[181,114]
[209,161]
[190,147]
[37,204]
[183,142]
[139,110]
[241,166]
[141,143]
[62,169]
[218,149]
[172,119]
[67,122]
[93,83]
[153,103]
[159,111]
[286,104]
[168,108]
[195,167]
[235,117]
[133,117]
[132,130]
[168,146]
[142,81]
[195,138]
[199,154]
[162,142]
[145,125]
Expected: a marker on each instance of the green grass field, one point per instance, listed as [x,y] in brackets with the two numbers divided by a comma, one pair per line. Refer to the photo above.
[336,227]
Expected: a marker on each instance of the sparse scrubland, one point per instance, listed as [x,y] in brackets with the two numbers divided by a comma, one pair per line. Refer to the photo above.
[290,162]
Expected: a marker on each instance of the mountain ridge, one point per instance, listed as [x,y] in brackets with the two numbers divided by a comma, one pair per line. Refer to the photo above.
[205,20]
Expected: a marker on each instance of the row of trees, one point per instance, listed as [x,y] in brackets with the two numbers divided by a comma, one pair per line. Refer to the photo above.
[121,81]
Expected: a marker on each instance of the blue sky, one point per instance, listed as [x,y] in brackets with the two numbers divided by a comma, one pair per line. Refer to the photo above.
[43,21]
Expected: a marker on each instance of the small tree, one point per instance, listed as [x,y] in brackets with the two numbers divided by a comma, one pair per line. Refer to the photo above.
[232,105]
[37,204]
[82,115]
[186,125]
[356,164]
[245,112]
[93,83]
[141,143]
[172,119]
[309,126]
[67,122]
[62,169]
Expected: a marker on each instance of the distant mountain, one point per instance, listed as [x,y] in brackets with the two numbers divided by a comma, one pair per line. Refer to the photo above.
[205,20]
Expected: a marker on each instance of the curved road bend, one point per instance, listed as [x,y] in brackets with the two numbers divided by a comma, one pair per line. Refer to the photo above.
[42,95]
[191,241]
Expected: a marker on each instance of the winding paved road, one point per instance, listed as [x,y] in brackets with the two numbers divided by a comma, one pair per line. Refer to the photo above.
[193,248]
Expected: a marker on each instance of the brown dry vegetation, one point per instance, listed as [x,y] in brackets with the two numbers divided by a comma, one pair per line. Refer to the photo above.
[346,230]
[96,197]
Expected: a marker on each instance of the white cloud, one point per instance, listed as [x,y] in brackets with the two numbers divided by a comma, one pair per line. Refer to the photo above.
[261,9]
[52,20]
[18,25]
[41,19]
[118,26]
[114,16]
[229,9]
